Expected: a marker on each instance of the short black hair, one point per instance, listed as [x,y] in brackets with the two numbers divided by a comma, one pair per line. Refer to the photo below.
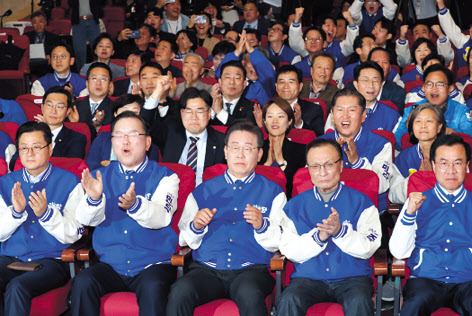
[367,65]
[349,92]
[322,53]
[194,93]
[223,47]
[60,90]
[319,142]
[289,68]
[38,13]
[380,49]
[417,43]
[173,45]
[255,32]
[152,31]
[156,11]
[284,26]
[449,140]
[388,25]
[233,63]
[438,67]
[191,36]
[61,43]
[129,114]
[145,56]
[99,65]
[247,126]
[433,56]
[358,41]
[126,99]
[100,37]
[33,126]
[151,64]
[315,28]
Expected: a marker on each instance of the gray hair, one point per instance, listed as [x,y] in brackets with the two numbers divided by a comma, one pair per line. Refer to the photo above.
[202,62]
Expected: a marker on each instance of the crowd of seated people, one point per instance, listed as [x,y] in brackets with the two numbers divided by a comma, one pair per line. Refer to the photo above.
[186,84]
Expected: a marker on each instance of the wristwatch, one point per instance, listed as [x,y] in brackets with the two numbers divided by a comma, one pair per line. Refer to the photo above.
[285,163]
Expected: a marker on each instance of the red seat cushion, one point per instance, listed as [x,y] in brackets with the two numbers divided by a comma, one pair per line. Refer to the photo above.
[52,302]
[325,309]
[119,304]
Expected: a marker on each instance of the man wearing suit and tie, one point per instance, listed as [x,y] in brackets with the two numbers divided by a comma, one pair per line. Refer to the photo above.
[228,102]
[251,20]
[65,142]
[96,109]
[191,141]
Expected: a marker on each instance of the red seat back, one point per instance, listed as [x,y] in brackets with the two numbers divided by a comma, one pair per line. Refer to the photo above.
[467,91]
[409,85]
[202,51]
[272,173]
[118,62]
[390,137]
[300,135]
[22,41]
[30,104]
[177,64]
[3,167]
[9,31]
[104,128]
[320,103]
[81,128]
[74,165]
[390,104]
[10,129]
[209,80]
[462,72]
[61,27]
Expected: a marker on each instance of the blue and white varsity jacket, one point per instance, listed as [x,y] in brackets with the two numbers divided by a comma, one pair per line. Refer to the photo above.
[27,237]
[42,85]
[437,239]
[228,242]
[341,256]
[405,164]
[133,239]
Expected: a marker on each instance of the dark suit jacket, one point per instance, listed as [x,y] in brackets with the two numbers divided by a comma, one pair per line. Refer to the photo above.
[152,116]
[96,7]
[262,26]
[312,116]
[326,95]
[171,139]
[294,154]
[244,109]
[85,115]
[391,92]
[49,40]
[121,87]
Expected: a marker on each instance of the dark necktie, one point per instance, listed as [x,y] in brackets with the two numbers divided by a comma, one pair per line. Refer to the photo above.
[192,154]
[228,107]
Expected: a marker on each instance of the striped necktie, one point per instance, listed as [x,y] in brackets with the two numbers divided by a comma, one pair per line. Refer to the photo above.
[94,108]
[192,154]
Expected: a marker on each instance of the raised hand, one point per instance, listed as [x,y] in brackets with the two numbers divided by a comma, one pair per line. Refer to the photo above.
[136,90]
[298,114]
[203,218]
[298,14]
[39,118]
[98,118]
[403,31]
[437,29]
[440,4]
[258,114]
[217,105]
[329,226]
[241,45]
[415,200]
[347,15]
[69,88]
[253,216]
[18,198]
[127,200]
[351,151]
[93,187]
[74,114]
[38,202]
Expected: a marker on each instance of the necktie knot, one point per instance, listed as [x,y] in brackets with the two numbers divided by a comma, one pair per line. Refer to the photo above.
[228,107]
[194,139]
[94,107]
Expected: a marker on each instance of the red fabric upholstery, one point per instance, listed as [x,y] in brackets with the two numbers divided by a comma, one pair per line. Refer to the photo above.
[218,36]
[81,128]
[119,304]
[412,84]
[325,309]
[320,103]
[202,51]
[114,19]
[58,14]
[209,80]
[208,63]
[51,303]
[119,62]
[177,64]
[467,92]
[224,307]
[220,128]
[283,63]
[362,180]
[119,78]
[3,167]
[9,31]
[390,104]
[10,129]
[390,137]
[179,80]
[300,135]
[74,165]
[61,27]
[13,82]
[406,141]
[462,72]
[264,41]
[444,312]
[408,68]
[30,104]
[104,128]
[271,173]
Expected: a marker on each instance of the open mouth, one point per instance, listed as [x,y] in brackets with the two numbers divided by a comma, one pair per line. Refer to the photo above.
[345,124]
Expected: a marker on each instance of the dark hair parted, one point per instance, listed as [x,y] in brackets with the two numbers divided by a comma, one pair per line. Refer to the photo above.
[284,106]
[349,92]
[449,140]
[34,126]
[439,118]
[194,93]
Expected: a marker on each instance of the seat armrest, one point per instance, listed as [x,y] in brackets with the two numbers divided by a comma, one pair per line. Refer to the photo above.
[394,209]
[70,253]
[380,262]
[278,262]
[398,267]
[180,257]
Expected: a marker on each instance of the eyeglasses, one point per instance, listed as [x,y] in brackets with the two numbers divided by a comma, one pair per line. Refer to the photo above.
[275,29]
[444,165]
[430,85]
[35,149]
[95,79]
[119,136]
[59,57]
[189,113]
[234,149]
[365,81]
[311,40]
[57,106]
[316,167]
